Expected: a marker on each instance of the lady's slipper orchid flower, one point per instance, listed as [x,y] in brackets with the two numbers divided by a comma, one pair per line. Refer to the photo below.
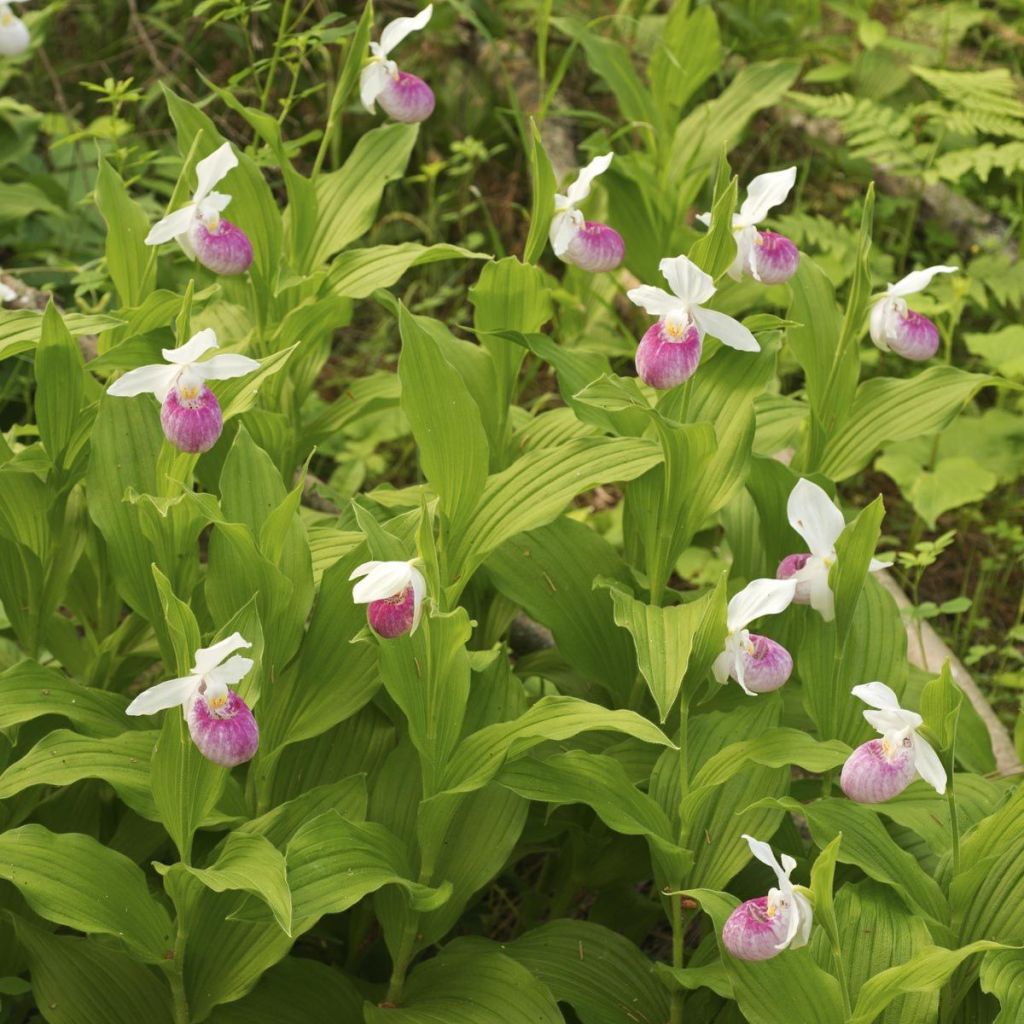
[586,244]
[895,328]
[757,663]
[189,411]
[813,515]
[402,96]
[7,294]
[198,227]
[394,592]
[14,34]
[670,350]
[880,769]
[219,721]
[764,255]
[762,928]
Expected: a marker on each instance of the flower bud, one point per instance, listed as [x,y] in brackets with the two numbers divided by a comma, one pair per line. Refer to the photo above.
[894,328]
[788,568]
[224,249]
[223,729]
[767,667]
[756,931]
[774,257]
[666,357]
[595,248]
[407,98]
[878,770]
[191,418]
[393,616]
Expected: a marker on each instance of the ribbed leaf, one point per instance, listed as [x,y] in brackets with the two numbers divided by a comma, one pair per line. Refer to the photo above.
[360,272]
[128,257]
[1002,974]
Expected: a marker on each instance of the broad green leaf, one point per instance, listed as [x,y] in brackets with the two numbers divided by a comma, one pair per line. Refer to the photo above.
[296,988]
[249,863]
[602,975]
[72,880]
[854,550]
[538,486]
[542,187]
[822,883]
[29,691]
[1002,974]
[63,757]
[788,987]
[941,700]
[348,198]
[886,409]
[59,385]
[715,251]
[445,420]
[360,272]
[81,981]
[470,982]
[688,52]
[20,329]
[926,971]
[128,257]
[814,343]
[334,863]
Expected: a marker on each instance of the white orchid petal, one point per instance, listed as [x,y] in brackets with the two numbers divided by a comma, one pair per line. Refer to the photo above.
[743,261]
[170,694]
[760,597]
[805,913]
[397,30]
[820,595]
[564,228]
[362,570]
[763,852]
[232,671]
[373,80]
[893,722]
[419,593]
[196,346]
[765,192]
[212,169]
[173,225]
[703,218]
[155,379]
[224,367]
[917,280]
[722,668]
[876,566]
[928,765]
[877,695]
[813,515]
[208,658]
[727,330]
[580,188]
[214,203]
[687,280]
[385,580]
[655,301]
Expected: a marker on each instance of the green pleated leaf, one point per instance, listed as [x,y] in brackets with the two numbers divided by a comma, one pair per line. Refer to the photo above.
[60,385]
[470,982]
[128,257]
[348,198]
[81,981]
[71,879]
[333,863]
[296,989]
[886,409]
[542,207]
[29,691]
[63,757]
[360,272]
[1002,974]
[926,971]
[854,550]
[20,329]
[602,975]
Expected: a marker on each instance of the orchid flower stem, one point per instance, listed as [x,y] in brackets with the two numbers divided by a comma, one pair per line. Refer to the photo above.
[177,975]
[954,822]
[844,984]
[396,984]
[679,919]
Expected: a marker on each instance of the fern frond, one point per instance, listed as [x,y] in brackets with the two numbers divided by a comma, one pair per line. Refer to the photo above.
[981,92]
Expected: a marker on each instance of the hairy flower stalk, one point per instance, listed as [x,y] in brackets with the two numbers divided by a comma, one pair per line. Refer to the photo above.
[586,244]
[14,34]
[881,769]
[219,721]
[189,411]
[761,928]
[669,352]
[756,662]
[896,328]
[198,227]
[814,516]
[403,97]
[394,592]
[763,255]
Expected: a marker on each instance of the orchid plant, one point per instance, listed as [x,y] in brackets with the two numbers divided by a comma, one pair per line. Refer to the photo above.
[15,37]
[402,96]
[586,244]
[896,328]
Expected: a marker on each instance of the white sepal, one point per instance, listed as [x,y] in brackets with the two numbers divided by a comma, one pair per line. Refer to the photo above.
[213,169]
[580,188]
[170,694]
[373,80]
[394,32]
[687,280]
[917,280]
[198,345]
[765,192]
[813,515]
[172,226]
[655,301]
[565,226]
[155,379]
[380,581]
[723,327]
[757,598]
[208,658]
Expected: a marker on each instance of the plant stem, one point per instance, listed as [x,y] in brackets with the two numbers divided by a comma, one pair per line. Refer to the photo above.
[844,984]
[679,919]
[677,956]
[177,975]
[282,28]
[396,983]
[954,823]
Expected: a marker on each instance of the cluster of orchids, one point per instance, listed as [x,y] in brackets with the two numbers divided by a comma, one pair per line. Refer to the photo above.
[14,34]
